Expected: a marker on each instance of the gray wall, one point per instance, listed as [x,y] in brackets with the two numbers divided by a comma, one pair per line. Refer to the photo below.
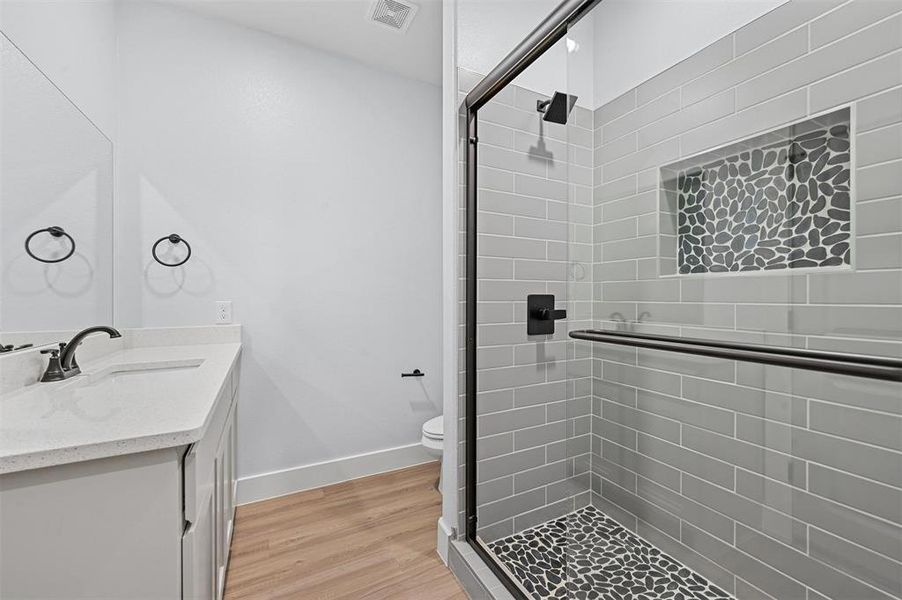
[766,480]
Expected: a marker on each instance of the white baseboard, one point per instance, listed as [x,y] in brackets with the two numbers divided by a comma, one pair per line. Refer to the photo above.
[306,477]
[443,539]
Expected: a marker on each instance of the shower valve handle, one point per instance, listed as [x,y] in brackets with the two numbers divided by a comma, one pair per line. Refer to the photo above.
[545,314]
[541,314]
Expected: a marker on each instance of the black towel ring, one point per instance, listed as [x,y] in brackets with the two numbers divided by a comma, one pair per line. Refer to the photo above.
[56,232]
[173,238]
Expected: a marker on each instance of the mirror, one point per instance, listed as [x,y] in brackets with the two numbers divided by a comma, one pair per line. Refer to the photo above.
[56,192]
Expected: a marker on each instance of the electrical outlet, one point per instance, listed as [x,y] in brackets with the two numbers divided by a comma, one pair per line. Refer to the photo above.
[224,312]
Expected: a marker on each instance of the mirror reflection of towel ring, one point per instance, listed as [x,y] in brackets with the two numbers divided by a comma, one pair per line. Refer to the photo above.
[173,238]
[56,232]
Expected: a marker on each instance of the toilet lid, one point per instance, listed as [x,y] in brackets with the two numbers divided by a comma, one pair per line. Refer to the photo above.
[434,428]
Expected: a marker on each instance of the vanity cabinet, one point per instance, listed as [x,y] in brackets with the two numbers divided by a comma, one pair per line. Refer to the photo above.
[210,488]
[149,524]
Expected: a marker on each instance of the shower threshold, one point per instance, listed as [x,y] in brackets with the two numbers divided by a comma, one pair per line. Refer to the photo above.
[587,555]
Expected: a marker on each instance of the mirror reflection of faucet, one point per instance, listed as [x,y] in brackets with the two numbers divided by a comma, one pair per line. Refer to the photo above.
[621,323]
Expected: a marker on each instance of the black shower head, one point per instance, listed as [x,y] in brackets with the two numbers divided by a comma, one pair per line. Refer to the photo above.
[557,109]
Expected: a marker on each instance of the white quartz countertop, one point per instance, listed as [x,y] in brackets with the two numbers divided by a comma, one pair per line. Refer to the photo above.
[133,400]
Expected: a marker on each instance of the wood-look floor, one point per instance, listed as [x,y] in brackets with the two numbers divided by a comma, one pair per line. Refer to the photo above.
[367,538]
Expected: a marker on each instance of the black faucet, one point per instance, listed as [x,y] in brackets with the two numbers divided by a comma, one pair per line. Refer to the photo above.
[66,366]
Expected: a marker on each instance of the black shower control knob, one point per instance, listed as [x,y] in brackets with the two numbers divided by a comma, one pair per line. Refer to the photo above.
[547,314]
[541,314]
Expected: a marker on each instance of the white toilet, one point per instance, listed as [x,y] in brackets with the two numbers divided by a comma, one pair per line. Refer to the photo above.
[433,439]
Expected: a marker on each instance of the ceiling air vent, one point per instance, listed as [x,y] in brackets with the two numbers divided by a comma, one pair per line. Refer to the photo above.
[393,14]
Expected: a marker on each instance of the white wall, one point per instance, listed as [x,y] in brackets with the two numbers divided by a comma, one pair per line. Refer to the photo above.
[310,189]
[74,43]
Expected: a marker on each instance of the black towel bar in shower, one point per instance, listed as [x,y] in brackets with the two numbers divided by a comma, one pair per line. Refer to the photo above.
[855,365]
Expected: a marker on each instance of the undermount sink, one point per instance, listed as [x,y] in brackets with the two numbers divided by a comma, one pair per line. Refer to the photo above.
[137,372]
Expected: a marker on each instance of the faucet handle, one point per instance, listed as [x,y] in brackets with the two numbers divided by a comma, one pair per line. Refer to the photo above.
[54,370]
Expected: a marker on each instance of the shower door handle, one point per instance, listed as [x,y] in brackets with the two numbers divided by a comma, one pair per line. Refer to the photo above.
[541,314]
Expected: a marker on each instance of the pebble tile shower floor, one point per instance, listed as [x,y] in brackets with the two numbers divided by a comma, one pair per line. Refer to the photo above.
[587,555]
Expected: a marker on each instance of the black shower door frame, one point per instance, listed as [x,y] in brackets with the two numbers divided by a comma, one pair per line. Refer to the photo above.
[551,30]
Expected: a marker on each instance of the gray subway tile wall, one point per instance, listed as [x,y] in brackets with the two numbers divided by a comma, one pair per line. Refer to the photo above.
[772,482]
[867,44]
[855,83]
[777,22]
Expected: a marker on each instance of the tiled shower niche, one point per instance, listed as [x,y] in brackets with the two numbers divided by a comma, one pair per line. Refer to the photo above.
[778,201]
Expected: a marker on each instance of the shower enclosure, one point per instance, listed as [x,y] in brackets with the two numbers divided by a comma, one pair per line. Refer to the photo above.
[683,312]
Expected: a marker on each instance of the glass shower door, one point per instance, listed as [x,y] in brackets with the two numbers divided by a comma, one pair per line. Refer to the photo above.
[728,419]
[533,285]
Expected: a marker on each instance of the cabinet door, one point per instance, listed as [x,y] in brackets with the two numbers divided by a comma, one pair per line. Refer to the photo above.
[209,500]
[229,481]
[219,562]
[225,501]
[235,458]
[198,552]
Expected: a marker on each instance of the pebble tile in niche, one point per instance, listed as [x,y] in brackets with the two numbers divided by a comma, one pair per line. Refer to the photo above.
[587,555]
[771,206]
